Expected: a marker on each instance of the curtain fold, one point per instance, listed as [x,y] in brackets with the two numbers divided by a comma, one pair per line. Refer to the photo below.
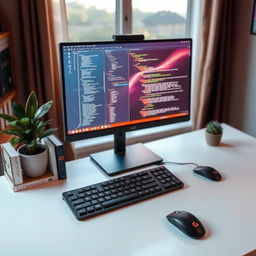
[40,55]
[212,87]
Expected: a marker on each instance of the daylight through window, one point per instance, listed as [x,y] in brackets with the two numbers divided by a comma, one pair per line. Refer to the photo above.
[90,20]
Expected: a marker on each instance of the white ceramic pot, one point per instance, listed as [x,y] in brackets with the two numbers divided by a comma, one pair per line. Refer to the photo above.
[34,165]
[213,139]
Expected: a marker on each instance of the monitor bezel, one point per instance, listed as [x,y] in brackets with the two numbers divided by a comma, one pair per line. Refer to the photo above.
[129,127]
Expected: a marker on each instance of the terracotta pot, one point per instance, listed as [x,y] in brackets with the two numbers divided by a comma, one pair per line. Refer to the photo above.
[213,139]
[34,165]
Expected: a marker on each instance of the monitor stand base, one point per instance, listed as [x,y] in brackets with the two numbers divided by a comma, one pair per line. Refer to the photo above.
[134,156]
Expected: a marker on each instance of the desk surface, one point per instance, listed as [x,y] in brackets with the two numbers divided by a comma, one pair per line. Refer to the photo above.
[38,221]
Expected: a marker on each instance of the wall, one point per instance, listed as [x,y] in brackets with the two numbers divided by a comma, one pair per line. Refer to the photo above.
[242,111]
[11,11]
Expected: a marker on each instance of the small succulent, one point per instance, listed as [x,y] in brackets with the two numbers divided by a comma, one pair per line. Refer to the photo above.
[26,123]
[214,127]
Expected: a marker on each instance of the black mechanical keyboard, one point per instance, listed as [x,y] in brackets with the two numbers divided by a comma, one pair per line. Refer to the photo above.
[98,198]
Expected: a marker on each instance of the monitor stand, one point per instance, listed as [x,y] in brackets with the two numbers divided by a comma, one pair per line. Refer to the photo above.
[124,158]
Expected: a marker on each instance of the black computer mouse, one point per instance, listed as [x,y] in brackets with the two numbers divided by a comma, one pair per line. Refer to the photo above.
[208,172]
[187,223]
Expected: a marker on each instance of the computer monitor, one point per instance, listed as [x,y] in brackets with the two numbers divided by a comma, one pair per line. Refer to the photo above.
[115,87]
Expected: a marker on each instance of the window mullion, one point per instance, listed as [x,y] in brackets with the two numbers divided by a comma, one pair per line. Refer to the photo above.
[189,18]
[123,16]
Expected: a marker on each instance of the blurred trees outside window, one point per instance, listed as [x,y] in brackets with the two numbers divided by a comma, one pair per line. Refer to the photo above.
[90,20]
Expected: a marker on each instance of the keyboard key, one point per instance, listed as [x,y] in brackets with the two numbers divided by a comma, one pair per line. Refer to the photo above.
[149,185]
[167,185]
[90,209]
[83,205]
[147,180]
[119,200]
[82,212]
[97,207]
[79,201]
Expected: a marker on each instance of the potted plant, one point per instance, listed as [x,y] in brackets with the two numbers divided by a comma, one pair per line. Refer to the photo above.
[28,128]
[213,133]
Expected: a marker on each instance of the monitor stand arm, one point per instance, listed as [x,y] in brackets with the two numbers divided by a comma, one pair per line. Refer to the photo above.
[119,143]
[124,158]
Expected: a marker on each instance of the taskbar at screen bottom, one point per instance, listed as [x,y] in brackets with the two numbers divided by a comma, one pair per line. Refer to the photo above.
[107,126]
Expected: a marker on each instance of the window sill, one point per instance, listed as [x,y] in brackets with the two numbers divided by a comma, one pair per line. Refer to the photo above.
[84,148]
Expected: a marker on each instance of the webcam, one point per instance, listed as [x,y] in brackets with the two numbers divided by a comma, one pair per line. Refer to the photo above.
[128,37]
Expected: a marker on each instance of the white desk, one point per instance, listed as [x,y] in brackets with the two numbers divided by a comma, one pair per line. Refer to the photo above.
[38,222]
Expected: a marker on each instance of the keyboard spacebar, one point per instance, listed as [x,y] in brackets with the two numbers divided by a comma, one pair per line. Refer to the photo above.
[119,200]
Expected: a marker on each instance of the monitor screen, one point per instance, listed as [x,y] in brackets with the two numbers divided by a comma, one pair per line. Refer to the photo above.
[122,86]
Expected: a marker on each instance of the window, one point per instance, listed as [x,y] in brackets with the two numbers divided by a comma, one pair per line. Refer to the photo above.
[159,19]
[90,20]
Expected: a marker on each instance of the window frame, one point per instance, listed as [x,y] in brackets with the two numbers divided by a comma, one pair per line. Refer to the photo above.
[123,17]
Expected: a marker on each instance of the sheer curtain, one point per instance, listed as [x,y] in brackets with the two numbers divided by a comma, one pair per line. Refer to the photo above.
[60,22]
[212,86]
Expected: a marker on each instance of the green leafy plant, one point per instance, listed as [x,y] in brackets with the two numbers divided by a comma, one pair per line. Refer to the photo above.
[26,124]
[214,127]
